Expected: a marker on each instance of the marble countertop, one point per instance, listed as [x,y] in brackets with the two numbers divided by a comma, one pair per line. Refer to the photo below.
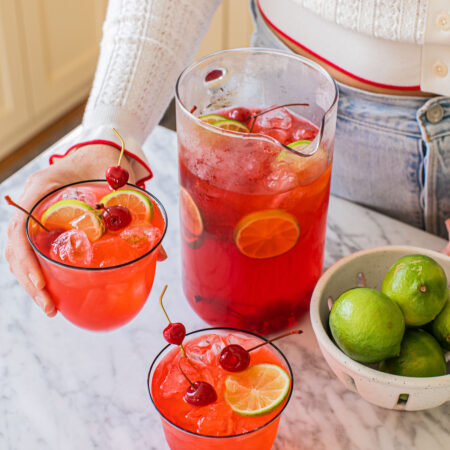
[65,388]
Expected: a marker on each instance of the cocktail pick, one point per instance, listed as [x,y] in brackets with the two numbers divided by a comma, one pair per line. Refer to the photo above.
[236,358]
[12,203]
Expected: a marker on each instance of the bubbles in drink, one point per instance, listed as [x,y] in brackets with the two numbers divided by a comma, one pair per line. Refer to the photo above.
[72,247]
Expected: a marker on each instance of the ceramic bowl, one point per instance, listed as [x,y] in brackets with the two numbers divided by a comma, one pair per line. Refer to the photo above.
[381,389]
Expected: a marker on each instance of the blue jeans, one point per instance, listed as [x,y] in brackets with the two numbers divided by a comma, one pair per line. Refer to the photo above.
[392,153]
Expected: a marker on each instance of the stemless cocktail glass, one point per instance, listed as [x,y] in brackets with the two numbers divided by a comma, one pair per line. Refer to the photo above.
[253,210]
[260,431]
[98,298]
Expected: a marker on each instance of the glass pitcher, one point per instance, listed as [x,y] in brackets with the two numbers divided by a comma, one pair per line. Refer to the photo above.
[254,192]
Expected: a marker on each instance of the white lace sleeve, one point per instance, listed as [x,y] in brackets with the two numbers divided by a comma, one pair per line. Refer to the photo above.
[145,45]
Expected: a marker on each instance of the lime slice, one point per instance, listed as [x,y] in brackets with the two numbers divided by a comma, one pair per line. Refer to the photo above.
[211,118]
[297,145]
[232,125]
[140,206]
[265,234]
[191,218]
[258,390]
[74,214]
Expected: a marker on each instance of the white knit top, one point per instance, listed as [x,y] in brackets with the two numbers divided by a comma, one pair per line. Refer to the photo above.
[396,20]
[146,44]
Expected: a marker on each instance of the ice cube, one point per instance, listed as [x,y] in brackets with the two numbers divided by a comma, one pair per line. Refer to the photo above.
[74,193]
[277,118]
[72,247]
[141,236]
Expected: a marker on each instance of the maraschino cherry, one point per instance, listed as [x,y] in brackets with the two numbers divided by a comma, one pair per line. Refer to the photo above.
[199,393]
[235,358]
[116,217]
[117,176]
[175,332]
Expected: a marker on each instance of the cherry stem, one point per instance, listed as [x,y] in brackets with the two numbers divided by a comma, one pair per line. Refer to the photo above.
[123,146]
[12,203]
[183,351]
[275,339]
[271,109]
[161,303]
[182,371]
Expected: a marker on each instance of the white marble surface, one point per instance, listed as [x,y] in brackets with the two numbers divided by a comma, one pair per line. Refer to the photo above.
[65,388]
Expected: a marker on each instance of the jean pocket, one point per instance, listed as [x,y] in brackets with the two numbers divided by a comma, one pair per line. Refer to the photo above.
[379,169]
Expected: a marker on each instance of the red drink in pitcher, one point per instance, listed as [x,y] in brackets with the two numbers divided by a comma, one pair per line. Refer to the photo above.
[262,251]
[255,134]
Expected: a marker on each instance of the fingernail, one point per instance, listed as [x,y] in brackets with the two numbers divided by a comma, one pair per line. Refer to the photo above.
[40,300]
[49,310]
[35,280]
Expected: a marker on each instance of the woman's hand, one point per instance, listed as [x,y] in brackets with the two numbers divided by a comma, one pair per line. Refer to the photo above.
[86,163]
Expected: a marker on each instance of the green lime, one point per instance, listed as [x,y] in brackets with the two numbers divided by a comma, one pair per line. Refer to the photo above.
[257,390]
[232,125]
[70,213]
[367,325]
[420,356]
[440,326]
[139,204]
[418,285]
[297,145]
[211,118]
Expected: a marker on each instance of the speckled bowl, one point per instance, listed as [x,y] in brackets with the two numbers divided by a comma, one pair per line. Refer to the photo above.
[381,389]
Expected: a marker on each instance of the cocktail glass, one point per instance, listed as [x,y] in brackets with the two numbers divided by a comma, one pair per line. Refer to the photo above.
[232,182]
[260,438]
[103,298]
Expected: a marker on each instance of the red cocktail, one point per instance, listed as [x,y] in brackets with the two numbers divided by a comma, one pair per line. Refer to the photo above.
[98,277]
[216,426]
[254,186]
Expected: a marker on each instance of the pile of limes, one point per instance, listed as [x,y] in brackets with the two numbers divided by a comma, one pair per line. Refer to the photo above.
[385,327]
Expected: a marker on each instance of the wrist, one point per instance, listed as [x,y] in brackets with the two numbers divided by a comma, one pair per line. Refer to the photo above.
[92,161]
[99,154]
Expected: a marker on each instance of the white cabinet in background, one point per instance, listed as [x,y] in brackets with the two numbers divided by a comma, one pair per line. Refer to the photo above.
[48,54]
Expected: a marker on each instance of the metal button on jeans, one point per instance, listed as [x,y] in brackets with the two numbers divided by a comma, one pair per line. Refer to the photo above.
[435,113]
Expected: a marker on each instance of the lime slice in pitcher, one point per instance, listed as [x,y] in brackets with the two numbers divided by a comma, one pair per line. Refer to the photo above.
[265,234]
[211,118]
[297,145]
[231,125]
